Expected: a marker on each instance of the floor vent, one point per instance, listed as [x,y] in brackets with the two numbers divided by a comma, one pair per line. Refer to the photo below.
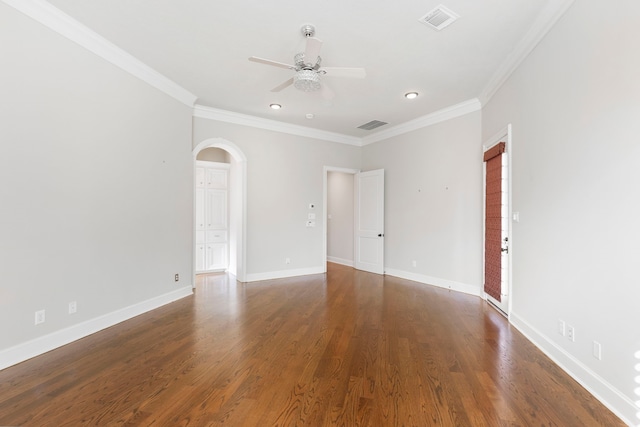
[439,18]
[372,125]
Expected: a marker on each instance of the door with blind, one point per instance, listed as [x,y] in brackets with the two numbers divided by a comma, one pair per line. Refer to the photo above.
[496,237]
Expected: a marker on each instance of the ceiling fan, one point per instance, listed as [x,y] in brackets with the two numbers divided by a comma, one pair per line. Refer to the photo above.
[307,67]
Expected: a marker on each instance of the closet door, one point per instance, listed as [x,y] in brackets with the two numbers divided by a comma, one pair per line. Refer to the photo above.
[200,210]
[200,257]
[216,178]
[212,217]
[216,256]
[200,201]
[216,210]
[200,177]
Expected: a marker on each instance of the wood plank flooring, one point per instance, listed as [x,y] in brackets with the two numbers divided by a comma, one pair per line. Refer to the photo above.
[343,349]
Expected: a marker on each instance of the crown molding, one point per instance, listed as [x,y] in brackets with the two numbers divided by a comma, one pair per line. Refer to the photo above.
[545,21]
[447,113]
[56,20]
[53,18]
[211,113]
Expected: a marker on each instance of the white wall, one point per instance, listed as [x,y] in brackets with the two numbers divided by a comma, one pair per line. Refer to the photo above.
[95,187]
[284,175]
[340,193]
[96,191]
[433,203]
[574,104]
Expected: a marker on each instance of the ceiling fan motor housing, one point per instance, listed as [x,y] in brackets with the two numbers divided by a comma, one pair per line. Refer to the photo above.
[305,63]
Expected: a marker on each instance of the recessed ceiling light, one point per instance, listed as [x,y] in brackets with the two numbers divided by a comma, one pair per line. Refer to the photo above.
[411,95]
[275,106]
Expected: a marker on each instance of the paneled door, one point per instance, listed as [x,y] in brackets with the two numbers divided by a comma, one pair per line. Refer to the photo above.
[369,227]
[212,216]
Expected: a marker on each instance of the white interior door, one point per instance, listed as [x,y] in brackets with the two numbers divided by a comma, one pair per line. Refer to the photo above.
[369,227]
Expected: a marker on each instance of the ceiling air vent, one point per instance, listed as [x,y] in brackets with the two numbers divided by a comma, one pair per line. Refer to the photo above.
[372,125]
[439,18]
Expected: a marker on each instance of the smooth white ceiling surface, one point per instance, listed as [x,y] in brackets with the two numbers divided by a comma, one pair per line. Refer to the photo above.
[204,46]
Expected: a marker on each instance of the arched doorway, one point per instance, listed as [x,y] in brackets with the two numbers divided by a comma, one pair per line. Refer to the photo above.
[237,205]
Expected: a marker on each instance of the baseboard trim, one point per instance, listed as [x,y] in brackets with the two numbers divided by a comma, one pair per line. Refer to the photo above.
[612,398]
[27,350]
[435,281]
[341,261]
[282,274]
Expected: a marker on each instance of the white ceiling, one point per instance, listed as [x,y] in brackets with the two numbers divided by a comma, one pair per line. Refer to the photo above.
[204,46]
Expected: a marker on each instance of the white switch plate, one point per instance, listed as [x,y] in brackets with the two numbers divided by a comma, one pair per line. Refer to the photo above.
[73,307]
[39,317]
[597,350]
[311,216]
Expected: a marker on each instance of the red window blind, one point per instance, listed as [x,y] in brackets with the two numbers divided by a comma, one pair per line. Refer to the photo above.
[493,221]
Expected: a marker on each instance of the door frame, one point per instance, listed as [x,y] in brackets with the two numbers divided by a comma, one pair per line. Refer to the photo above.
[504,135]
[325,174]
[240,229]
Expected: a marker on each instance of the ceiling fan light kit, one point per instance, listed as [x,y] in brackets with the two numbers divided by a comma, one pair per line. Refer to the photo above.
[306,81]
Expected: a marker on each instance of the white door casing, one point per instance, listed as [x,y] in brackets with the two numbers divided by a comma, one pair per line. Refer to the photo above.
[237,205]
[325,212]
[369,221]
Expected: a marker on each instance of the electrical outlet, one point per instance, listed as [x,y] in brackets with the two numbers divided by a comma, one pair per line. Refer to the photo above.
[414,263]
[597,350]
[571,333]
[561,327]
[39,317]
[73,307]
[177,277]
[287,260]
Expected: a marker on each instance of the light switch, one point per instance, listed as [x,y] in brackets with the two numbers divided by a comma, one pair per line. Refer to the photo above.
[311,216]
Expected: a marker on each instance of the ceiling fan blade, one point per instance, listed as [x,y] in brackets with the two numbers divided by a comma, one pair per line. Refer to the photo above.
[272,63]
[312,50]
[283,85]
[354,73]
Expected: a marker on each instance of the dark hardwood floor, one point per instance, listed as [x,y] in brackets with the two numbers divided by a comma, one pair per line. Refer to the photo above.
[346,349]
